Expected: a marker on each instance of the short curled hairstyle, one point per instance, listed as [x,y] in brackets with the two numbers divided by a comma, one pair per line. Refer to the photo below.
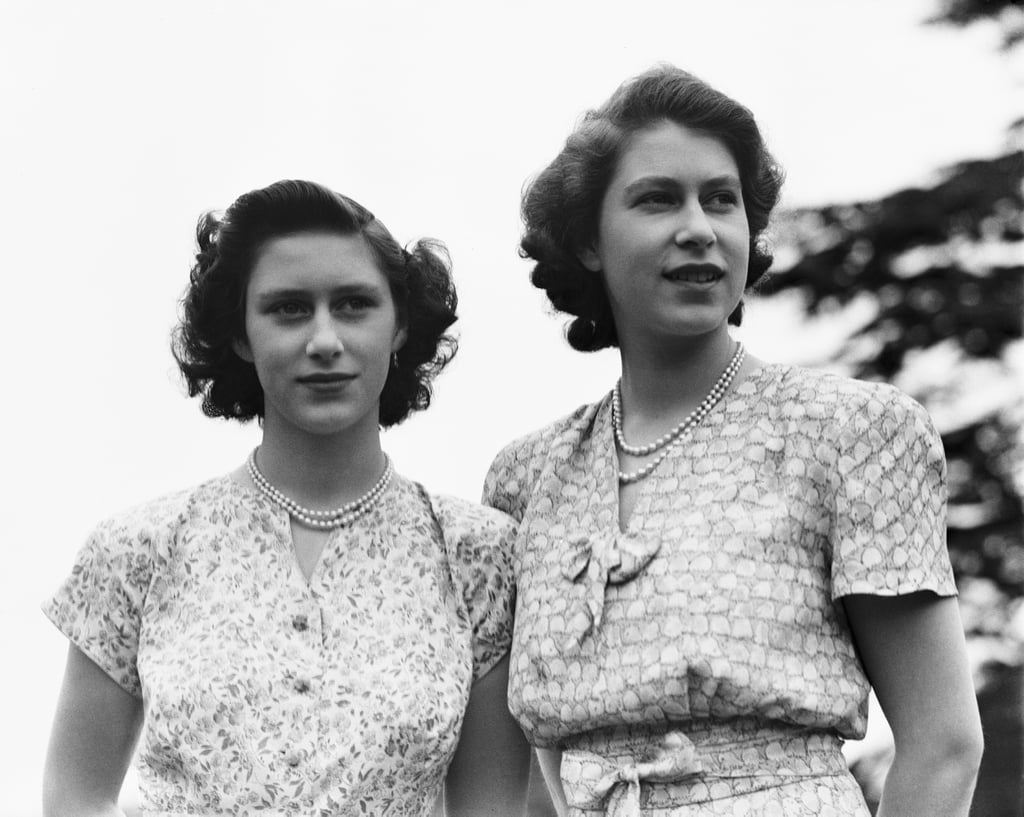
[213,307]
[561,206]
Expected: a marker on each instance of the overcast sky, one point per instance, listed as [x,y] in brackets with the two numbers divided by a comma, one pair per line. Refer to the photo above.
[124,121]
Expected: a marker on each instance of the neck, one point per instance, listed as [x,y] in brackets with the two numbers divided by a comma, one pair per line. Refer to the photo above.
[660,383]
[321,471]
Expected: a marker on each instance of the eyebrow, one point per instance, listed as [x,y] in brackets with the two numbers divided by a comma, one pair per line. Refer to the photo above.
[724,180]
[284,293]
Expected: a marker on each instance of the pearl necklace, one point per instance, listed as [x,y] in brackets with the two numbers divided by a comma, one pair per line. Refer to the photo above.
[670,439]
[322,520]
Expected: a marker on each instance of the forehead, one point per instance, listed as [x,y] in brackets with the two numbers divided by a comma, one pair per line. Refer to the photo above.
[314,259]
[675,151]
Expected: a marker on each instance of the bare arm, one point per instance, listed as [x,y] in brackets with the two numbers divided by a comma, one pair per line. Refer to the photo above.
[915,657]
[489,773]
[91,745]
[550,762]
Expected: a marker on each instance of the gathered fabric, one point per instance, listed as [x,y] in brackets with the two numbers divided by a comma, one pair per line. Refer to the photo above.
[614,788]
[629,771]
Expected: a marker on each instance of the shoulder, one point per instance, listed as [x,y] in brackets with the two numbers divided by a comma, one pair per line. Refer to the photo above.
[470,526]
[517,465]
[859,430]
[478,542]
[540,440]
[841,401]
[158,520]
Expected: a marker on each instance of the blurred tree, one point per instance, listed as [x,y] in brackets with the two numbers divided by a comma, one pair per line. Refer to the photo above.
[935,278]
[1008,13]
[925,288]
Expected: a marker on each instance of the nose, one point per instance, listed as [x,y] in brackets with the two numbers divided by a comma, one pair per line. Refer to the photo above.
[325,342]
[694,229]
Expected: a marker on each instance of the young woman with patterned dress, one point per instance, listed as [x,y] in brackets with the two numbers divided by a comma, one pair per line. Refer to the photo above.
[719,558]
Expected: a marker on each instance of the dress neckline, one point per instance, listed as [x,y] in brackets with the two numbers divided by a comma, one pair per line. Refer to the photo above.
[283,524]
[606,453]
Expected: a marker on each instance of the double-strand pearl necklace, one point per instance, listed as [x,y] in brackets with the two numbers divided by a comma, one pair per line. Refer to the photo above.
[670,439]
[322,520]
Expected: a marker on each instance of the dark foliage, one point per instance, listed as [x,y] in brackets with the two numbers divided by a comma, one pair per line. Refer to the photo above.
[941,262]
[945,268]
[1009,13]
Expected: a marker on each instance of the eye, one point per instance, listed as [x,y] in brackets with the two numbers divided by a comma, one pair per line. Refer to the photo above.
[722,201]
[288,309]
[655,198]
[355,303]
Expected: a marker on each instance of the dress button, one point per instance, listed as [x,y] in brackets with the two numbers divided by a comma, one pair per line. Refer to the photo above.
[300,623]
[302,685]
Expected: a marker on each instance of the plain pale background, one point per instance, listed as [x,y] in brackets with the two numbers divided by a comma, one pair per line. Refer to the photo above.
[123,121]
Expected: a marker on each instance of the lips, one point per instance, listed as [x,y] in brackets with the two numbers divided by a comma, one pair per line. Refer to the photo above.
[694,274]
[326,379]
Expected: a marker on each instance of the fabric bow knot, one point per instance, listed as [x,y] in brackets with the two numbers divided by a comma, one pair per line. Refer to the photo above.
[593,782]
[595,561]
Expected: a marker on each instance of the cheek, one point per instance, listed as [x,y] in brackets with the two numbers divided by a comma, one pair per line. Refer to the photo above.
[627,245]
[267,351]
[623,268]
[737,245]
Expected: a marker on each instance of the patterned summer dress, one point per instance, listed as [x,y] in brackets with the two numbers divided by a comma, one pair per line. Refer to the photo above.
[699,663]
[265,693]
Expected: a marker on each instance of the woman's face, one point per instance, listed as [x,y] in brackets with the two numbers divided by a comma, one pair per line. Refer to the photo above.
[673,241]
[321,326]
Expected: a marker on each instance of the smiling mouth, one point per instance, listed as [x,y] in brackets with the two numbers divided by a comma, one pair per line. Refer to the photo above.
[694,274]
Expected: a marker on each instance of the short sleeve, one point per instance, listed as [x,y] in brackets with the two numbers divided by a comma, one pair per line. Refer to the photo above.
[99,605]
[513,472]
[479,543]
[517,468]
[889,480]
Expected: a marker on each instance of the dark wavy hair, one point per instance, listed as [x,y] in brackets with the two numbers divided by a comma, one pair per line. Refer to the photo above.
[562,205]
[213,307]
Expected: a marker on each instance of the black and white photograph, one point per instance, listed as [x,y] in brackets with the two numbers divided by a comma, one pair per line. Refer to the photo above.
[538,409]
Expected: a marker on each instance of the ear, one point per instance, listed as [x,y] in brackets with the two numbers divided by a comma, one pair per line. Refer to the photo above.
[242,349]
[589,258]
[401,336]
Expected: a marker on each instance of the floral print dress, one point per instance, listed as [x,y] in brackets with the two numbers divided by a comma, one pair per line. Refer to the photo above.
[698,662]
[263,692]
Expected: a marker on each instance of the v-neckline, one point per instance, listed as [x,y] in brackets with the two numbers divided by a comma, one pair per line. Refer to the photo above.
[607,457]
[606,464]
[286,537]
[317,565]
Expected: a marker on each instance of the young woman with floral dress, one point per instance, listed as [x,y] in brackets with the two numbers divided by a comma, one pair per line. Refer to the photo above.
[313,633]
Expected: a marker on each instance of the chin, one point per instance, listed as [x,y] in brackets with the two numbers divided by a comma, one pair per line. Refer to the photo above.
[692,326]
[326,426]
[340,427]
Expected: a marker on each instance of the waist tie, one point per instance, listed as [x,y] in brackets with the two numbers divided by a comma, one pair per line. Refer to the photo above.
[598,782]
[619,770]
